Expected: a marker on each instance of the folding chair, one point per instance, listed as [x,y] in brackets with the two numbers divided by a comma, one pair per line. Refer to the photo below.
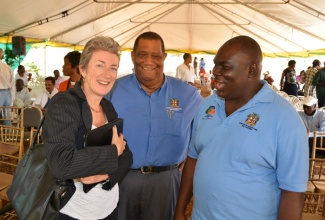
[8,213]
[317,174]
[32,119]
[296,102]
[32,134]
[314,204]
[11,149]
[318,147]
[11,116]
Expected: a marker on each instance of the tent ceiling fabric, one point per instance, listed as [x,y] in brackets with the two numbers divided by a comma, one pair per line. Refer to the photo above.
[281,27]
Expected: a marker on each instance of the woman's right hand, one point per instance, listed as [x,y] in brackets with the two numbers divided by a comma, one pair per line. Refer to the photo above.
[118,140]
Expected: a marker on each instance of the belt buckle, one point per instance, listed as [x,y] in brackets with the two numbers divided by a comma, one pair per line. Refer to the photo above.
[146,170]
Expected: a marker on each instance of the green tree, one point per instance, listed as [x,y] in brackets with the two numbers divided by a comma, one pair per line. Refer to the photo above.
[32,67]
[10,58]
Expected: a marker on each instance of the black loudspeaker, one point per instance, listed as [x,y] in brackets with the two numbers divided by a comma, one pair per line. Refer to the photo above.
[18,45]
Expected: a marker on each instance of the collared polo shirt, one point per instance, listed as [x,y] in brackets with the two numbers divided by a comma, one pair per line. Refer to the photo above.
[157,133]
[244,159]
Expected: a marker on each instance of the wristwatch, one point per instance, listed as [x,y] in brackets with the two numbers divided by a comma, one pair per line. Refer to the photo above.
[104,181]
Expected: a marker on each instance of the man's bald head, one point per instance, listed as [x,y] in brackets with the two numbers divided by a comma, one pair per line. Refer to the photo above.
[237,69]
[248,46]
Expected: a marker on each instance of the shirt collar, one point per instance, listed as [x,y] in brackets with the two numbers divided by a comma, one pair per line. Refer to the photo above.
[158,91]
[265,94]
[311,116]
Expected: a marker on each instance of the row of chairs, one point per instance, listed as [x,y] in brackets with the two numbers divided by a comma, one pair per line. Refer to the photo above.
[293,100]
[314,198]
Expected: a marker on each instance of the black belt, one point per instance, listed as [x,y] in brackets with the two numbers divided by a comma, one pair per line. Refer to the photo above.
[3,89]
[150,169]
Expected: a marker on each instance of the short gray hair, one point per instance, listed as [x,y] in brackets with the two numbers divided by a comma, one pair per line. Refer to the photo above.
[98,43]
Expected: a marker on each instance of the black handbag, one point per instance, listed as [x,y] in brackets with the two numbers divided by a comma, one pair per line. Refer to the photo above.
[35,193]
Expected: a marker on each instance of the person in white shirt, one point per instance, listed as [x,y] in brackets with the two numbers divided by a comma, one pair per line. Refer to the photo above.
[21,74]
[185,71]
[58,78]
[313,118]
[44,98]
[22,93]
[7,85]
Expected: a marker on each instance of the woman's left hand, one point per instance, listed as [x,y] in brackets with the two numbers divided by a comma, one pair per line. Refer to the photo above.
[94,179]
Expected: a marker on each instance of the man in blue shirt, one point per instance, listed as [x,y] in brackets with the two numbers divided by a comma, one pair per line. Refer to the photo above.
[248,147]
[202,64]
[158,111]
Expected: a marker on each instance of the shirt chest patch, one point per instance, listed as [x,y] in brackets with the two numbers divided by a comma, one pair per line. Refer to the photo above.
[251,121]
[174,107]
[209,113]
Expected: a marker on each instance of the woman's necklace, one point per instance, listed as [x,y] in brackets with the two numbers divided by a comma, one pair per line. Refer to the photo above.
[100,110]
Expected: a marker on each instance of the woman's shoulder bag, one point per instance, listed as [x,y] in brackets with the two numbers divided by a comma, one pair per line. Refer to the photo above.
[35,193]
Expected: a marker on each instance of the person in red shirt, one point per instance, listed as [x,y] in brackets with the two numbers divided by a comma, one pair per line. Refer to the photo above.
[70,68]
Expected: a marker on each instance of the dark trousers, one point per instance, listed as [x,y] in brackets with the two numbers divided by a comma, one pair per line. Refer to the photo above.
[149,196]
[112,216]
[290,89]
[321,102]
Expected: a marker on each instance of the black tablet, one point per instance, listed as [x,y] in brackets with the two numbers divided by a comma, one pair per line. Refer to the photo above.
[103,135]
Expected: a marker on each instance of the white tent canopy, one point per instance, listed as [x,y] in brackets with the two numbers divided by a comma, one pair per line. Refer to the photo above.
[281,27]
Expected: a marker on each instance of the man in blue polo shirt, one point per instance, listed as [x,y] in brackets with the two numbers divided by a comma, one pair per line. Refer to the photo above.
[158,111]
[248,147]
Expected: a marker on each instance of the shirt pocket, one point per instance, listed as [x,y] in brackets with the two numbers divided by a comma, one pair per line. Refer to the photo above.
[175,123]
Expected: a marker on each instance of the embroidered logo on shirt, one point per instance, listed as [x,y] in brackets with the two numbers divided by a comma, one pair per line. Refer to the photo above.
[174,103]
[174,107]
[210,112]
[251,121]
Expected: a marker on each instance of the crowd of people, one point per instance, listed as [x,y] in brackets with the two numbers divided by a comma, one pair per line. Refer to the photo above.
[20,91]
[70,70]
[227,151]
[309,83]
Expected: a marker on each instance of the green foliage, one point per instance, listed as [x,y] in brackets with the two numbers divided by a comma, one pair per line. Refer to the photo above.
[37,80]
[37,85]
[10,58]
[32,67]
